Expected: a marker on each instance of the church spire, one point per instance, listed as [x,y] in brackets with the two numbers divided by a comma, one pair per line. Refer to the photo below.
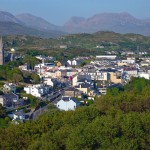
[1,44]
[1,52]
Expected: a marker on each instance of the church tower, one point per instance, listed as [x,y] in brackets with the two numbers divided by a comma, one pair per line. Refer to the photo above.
[1,52]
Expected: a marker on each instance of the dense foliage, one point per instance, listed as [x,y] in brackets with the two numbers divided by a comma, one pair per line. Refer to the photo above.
[120,120]
[11,73]
[4,120]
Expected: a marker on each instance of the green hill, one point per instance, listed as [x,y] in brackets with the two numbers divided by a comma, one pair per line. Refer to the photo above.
[79,44]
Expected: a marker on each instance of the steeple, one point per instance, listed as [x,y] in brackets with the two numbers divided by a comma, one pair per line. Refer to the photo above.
[1,44]
[1,52]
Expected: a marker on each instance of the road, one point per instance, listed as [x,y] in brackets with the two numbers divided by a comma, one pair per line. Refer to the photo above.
[53,98]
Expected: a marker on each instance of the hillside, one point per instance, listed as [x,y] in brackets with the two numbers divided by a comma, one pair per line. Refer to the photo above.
[8,17]
[10,28]
[78,44]
[110,41]
[37,22]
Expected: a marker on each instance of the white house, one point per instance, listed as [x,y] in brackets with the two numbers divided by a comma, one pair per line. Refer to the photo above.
[74,62]
[128,61]
[10,87]
[68,103]
[102,76]
[69,62]
[37,90]
[143,75]
[50,82]
[63,46]
[132,72]
[79,79]
[19,115]
[9,99]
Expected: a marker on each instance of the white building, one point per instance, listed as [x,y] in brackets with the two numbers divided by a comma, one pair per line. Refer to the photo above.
[128,61]
[102,76]
[131,72]
[106,57]
[19,115]
[73,62]
[143,75]
[37,90]
[65,68]
[10,87]
[63,46]
[45,65]
[69,62]
[50,82]
[68,103]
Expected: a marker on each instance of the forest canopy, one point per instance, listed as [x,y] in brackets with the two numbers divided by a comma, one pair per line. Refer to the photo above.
[119,120]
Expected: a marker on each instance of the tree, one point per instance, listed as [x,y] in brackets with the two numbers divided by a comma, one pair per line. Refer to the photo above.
[31,61]
[83,64]
[15,75]
[2,111]
[35,78]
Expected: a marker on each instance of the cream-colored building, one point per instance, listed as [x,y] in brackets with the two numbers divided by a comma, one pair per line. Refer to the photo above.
[115,78]
[82,89]
[75,80]
[122,64]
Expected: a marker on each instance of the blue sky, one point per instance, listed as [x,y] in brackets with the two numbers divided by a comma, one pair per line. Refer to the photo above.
[59,11]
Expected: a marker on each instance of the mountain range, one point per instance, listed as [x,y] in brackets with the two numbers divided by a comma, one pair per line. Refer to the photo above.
[28,24]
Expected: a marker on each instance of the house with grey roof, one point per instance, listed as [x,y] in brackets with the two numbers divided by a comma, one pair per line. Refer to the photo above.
[68,103]
[9,100]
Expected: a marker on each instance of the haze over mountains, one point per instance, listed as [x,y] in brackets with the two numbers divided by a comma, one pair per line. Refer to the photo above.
[117,22]
[27,24]
[32,25]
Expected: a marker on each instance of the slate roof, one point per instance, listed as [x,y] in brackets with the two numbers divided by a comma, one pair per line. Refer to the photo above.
[66,98]
[10,96]
[84,85]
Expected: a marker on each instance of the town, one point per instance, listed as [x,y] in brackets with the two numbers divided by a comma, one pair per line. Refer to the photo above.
[66,84]
[74,75]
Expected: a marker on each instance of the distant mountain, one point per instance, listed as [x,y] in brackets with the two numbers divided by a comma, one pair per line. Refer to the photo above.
[117,22]
[36,22]
[8,17]
[9,24]
[10,28]
[32,25]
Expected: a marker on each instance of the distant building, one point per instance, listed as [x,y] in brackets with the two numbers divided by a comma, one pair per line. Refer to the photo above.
[9,87]
[143,75]
[8,100]
[63,46]
[72,92]
[106,57]
[100,46]
[37,90]
[73,62]
[50,82]
[19,115]
[1,52]
[13,50]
